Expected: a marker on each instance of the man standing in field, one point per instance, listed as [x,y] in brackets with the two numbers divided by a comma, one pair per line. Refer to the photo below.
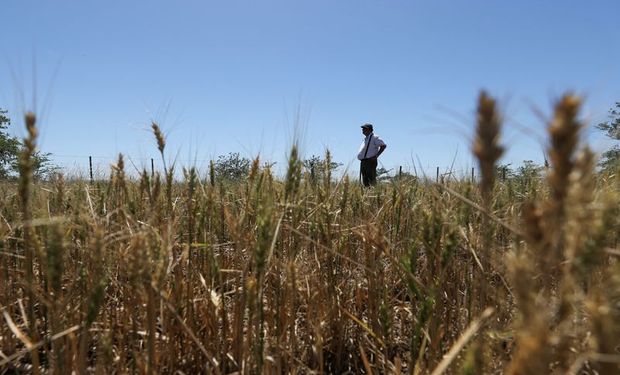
[371,148]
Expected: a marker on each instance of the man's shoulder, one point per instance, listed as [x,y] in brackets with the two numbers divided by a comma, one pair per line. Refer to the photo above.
[379,142]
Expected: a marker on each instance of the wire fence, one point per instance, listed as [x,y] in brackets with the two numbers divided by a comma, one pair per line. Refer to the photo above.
[95,167]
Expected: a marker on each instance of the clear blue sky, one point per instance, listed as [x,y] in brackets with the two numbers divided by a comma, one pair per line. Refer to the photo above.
[232,76]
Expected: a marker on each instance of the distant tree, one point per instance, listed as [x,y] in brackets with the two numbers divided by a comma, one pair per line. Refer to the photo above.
[610,159]
[10,148]
[43,167]
[232,167]
[316,167]
[529,170]
[527,175]
[504,172]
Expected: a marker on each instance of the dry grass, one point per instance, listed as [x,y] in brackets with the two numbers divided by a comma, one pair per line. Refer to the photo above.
[267,276]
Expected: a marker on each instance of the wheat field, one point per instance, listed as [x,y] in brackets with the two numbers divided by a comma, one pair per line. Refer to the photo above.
[305,275]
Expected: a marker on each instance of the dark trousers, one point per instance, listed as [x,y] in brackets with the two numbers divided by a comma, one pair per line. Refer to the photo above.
[368,167]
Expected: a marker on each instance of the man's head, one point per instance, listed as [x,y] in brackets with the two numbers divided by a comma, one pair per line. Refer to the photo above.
[367,128]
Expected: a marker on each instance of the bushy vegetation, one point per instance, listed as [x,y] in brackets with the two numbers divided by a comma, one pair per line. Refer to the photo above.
[10,148]
[610,160]
[307,274]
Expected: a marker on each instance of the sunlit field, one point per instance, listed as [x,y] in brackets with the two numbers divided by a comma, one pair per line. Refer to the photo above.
[309,273]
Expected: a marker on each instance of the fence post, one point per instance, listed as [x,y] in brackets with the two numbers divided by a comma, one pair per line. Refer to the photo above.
[437,175]
[152,168]
[400,171]
[90,168]
[472,175]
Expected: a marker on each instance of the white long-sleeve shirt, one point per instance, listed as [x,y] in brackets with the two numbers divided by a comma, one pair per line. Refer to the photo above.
[373,147]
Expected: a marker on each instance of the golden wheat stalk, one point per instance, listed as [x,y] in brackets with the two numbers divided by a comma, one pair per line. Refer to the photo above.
[486,145]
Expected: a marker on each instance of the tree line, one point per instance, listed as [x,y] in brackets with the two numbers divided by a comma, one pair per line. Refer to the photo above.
[233,167]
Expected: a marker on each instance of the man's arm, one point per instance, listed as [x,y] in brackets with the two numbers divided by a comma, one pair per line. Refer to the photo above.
[381,149]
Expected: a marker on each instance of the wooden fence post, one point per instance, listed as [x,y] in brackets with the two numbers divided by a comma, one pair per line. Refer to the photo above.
[90,168]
